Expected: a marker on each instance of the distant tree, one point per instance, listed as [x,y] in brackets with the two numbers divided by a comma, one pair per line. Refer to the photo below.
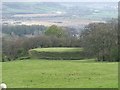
[54,31]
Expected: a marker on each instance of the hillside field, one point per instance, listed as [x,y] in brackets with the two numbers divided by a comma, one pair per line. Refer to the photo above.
[58,49]
[60,74]
[57,53]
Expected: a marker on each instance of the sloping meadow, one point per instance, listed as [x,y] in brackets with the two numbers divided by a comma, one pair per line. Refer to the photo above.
[57,53]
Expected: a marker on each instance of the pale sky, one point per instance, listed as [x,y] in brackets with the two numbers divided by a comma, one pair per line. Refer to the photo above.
[60,0]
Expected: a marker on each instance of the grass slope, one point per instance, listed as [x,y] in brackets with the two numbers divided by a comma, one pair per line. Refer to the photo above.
[62,74]
[57,53]
[58,49]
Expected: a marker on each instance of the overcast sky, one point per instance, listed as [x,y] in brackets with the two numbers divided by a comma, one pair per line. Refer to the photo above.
[60,0]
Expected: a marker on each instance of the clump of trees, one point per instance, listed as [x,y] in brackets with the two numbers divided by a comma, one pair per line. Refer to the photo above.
[101,40]
[55,31]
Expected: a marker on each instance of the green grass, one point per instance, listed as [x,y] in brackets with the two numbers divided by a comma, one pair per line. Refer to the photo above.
[60,73]
[57,53]
[58,49]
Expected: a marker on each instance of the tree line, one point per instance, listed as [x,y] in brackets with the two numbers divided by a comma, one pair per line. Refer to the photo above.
[22,30]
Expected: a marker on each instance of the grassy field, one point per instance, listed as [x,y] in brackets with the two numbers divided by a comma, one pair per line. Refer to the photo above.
[58,49]
[57,53]
[60,73]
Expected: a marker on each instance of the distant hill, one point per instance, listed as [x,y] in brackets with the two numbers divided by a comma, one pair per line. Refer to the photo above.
[30,7]
[88,10]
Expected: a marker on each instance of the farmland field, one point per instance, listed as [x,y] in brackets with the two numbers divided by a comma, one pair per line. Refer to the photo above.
[60,73]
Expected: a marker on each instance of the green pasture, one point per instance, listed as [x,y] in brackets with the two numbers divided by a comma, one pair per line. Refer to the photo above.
[57,53]
[60,74]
